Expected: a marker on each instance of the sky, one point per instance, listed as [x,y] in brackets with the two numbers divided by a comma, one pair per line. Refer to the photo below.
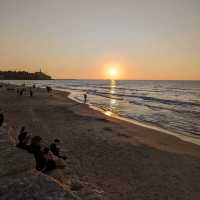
[143,39]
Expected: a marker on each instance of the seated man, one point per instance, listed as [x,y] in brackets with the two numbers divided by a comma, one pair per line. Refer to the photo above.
[55,149]
[23,138]
[43,162]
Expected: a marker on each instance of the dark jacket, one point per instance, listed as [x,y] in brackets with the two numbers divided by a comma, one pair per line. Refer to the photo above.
[54,149]
[41,162]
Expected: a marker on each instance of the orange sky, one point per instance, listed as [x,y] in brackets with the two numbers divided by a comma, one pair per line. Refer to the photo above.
[81,39]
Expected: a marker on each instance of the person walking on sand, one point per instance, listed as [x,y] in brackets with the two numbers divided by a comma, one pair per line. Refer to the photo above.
[85,98]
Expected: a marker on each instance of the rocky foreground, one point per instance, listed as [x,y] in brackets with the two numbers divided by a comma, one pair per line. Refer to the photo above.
[20,181]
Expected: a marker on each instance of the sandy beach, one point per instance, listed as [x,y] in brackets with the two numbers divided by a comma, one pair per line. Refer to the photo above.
[108,158]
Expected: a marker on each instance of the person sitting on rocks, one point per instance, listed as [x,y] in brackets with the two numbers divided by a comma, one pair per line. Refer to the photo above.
[24,139]
[43,163]
[47,154]
[56,150]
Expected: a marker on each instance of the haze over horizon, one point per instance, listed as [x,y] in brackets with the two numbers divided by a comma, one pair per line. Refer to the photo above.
[146,39]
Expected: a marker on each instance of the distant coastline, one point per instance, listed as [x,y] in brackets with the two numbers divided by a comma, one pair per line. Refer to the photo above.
[23,75]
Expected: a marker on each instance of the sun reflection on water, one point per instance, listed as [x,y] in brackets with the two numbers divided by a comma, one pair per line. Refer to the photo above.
[108,113]
[112,86]
[112,102]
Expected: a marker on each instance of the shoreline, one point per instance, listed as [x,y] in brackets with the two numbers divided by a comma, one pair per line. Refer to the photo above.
[184,137]
[187,137]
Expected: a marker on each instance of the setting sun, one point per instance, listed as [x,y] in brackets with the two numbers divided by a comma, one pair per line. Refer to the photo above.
[113,71]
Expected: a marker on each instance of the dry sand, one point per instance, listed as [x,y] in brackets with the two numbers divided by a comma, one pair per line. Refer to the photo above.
[107,158]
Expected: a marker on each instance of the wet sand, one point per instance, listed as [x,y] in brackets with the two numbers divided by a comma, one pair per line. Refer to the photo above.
[107,158]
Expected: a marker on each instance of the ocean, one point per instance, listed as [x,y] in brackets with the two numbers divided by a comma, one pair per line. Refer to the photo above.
[170,105]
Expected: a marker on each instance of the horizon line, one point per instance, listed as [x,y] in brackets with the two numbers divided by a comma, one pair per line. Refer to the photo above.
[125,79]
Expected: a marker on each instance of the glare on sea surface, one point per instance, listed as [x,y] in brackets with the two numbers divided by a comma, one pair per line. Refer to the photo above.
[108,113]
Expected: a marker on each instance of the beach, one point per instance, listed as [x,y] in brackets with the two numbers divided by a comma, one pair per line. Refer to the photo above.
[106,157]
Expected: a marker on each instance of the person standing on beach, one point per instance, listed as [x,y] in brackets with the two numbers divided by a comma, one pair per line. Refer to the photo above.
[49,89]
[85,98]
[21,92]
[31,93]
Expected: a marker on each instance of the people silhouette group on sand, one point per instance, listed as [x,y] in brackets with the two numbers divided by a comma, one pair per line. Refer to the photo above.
[30,90]
[46,158]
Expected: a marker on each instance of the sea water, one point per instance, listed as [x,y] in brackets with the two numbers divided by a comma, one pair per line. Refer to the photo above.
[171,105]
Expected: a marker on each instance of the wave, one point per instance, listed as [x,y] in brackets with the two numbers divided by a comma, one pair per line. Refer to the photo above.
[125,88]
[196,113]
[168,101]
[148,98]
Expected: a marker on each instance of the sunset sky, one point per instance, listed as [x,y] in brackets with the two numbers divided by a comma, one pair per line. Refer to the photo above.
[144,39]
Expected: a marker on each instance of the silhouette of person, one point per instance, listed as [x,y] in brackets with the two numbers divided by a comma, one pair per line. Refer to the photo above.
[1,119]
[47,154]
[31,93]
[43,163]
[56,150]
[24,139]
[21,92]
[85,98]
[49,89]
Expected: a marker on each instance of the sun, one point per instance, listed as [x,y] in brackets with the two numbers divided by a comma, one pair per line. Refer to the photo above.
[113,72]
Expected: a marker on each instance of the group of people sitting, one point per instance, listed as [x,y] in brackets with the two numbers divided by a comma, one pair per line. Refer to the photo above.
[46,157]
